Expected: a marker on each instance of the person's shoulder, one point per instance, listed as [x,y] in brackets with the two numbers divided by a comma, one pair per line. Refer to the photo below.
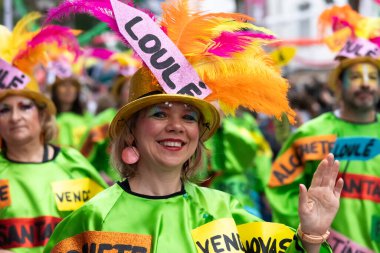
[207,193]
[3,162]
[72,160]
[324,118]
[69,152]
[378,117]
[319,125]
[102,203]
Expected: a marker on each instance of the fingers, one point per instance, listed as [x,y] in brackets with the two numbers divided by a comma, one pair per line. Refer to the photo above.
[302,196]
[326,173]
[319,173]
[338,187]
[334,173]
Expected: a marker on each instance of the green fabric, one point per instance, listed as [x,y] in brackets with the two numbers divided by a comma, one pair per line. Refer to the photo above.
[98,148]
[168,220]
[240,158]
[31,190]
[72,128]
[354,218]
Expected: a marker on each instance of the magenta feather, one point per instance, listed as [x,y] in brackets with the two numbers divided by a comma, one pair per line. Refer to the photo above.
[338,24]
[228,43]
[375,40]
[100,53]
[99,9]
[63,36]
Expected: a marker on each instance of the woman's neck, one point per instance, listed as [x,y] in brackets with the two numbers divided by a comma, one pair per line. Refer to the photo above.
[29,152]
[155,183]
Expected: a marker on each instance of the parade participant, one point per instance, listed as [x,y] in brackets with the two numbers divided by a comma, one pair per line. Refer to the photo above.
[39,183]
[72,119]
[157,139]
[351,133]
[237,156]
[96,144]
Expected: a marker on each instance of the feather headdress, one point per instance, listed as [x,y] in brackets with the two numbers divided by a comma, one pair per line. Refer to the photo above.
[224,48]
[25,49]
[355,38]
[345,23]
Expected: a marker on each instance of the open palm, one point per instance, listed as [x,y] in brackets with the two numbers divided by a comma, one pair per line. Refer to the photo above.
[319,205]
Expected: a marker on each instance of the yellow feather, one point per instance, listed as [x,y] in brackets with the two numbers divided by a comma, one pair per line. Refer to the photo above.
[193,31]
[23,24]
[368,27]
[249,80]
[21,32]
[5,36]
[13,42]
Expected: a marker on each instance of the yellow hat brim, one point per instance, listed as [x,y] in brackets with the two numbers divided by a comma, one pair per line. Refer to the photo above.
[39,98]
[211,118]
[343,64]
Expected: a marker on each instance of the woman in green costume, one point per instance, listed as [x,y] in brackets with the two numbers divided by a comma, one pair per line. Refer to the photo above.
[156,149]
[40,184]
[72,119]
[157,140]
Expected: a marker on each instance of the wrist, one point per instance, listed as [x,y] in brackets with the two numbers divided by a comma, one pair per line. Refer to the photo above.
[312,239]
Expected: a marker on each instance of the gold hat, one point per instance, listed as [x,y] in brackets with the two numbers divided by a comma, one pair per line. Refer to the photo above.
[145,91]
[32,91]
[336,73]
[355,38]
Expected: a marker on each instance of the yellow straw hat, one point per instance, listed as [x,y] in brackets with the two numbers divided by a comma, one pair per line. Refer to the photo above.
[32,91]
[145,91]
[336,73]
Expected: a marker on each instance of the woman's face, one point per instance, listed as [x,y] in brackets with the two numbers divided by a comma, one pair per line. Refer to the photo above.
[167,135]
[67,92]
[19,120]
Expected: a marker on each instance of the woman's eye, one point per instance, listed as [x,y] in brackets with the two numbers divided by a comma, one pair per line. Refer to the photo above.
[159,114]
[190,117]
[26,107]
[4,110]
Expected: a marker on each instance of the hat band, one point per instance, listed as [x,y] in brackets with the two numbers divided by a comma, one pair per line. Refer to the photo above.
[155,92]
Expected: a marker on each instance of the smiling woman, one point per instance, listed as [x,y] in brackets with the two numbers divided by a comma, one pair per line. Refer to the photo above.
[157,139]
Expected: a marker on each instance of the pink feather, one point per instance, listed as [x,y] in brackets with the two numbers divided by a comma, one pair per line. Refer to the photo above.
[338,24]
[100,53]
[231,42]
[100,9]
[63,36]
[376,40]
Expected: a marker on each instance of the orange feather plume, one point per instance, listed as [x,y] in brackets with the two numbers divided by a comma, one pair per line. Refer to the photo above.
[246,77]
